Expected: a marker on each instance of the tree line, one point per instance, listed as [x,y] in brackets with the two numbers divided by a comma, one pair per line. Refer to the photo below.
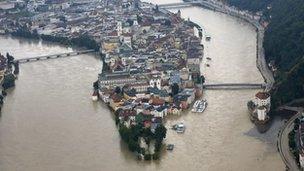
[283,43]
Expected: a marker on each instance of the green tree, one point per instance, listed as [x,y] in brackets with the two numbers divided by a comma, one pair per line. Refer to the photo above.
[9,81]
[159,135]
[117,90]
[95,85]
[175,89]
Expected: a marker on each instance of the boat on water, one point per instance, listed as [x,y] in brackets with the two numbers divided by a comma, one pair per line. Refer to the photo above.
[95,95]
[179,128]
[170,147]
[199,106]
[208,38]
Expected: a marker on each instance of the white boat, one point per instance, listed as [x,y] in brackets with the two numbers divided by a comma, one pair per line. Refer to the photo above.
[199,106]
[95,96]
[179,128]
[208,38]
[170,147]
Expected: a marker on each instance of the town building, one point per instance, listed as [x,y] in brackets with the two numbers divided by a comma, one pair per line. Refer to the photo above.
[262,99]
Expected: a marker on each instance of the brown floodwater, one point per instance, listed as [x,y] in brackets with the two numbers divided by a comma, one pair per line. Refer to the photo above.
[49,122]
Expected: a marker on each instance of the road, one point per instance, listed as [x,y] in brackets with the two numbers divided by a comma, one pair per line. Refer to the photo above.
[283,143]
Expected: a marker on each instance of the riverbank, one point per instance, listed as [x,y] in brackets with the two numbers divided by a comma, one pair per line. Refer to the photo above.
[81,41]
[261,64]
[260,60]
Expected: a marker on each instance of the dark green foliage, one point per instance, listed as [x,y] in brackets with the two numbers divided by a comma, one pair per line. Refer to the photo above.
[175,89]
[85,41]
[62,40]
[4,93]
[95,85]
[293,145]
[133,145]
[139,19]
[130,136]
[199,79]
[291,142]
[131,22]
[284,38]
[23,31]
[202,79]
[283,43]
[9,81]
[117,90]
[10,59]
[167,23]
[148,157]
[252,5]
[291,87]
[155,156]
[160,134]
[16,66]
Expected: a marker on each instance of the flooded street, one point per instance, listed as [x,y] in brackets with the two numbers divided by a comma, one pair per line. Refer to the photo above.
[49,122]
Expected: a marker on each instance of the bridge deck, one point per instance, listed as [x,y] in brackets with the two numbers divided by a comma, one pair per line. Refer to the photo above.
[53,56]
[176,5]
[233,86]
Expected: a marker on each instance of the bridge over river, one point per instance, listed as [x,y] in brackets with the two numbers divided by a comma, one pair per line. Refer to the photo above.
[54,56]
[234,86]
[177,5]
[248,17]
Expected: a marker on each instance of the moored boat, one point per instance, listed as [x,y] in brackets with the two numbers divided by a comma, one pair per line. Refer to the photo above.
[208,38]
[170,147]
[95,95]
[199,106]
[179,128]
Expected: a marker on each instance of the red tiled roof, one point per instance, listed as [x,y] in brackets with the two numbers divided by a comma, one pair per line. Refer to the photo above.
[116,98]
[157,101]
[262,95]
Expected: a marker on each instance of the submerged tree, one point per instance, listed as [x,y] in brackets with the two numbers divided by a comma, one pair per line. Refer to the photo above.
[160,134]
